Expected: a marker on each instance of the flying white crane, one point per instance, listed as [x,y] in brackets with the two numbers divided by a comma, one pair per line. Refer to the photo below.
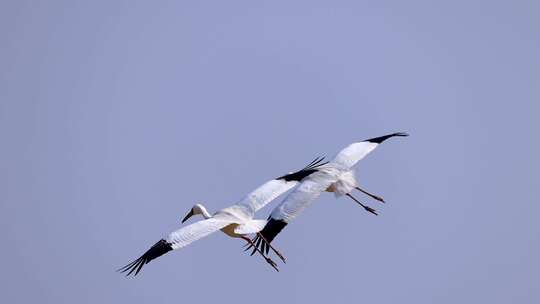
[336,176]
[236,221]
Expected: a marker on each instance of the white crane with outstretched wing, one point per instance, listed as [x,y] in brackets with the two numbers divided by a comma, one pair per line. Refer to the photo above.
[337,176]
[236,221]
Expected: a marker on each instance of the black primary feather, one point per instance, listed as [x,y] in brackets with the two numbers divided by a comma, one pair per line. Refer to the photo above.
[306,171]
[159,249]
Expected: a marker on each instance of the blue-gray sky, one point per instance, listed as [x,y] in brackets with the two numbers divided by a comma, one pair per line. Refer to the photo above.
[117,116]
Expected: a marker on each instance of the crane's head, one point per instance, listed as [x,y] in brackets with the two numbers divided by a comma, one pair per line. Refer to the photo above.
[197,209]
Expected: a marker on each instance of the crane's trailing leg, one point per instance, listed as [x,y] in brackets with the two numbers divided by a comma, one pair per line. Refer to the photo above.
[271,247]
[268,260]
[380,199]
[368,209]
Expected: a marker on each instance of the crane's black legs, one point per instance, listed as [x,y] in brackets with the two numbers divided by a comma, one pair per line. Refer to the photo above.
[271,247]
[380,199]
[368,209]
[268,260]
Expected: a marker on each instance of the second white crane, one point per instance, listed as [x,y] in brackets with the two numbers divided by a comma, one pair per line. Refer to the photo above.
[337,176]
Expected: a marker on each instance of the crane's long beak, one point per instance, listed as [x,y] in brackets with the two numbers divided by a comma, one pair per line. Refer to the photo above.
[190,214]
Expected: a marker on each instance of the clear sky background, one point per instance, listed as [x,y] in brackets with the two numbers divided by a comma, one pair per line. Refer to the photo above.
[117,116]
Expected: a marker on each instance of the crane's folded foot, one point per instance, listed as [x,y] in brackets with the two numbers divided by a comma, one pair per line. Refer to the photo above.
[282,258]
[272,263]
[373,196]
[371,210]
[378,198]
[266,246]
[367,208]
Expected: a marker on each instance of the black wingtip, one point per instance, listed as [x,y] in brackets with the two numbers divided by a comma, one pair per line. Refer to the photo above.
[159,249]
[311,168]
[380,139]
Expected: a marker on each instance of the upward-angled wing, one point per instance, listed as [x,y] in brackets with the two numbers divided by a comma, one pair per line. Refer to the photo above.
[349,156]
[270,190]
[176,240]
[298,200]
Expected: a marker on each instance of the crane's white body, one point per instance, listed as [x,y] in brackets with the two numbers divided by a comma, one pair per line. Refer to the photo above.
[345,183]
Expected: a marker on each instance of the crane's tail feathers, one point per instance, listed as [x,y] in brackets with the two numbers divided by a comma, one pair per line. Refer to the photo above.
[159,249]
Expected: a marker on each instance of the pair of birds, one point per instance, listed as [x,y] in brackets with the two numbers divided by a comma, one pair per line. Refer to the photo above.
[238,220]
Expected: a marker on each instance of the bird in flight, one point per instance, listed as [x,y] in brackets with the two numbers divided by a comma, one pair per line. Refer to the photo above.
[337,176]
[236,221]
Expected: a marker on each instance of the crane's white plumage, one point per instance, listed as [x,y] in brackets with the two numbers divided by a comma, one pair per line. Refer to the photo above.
[349,156]
[266,193]
[235,221]
[189,234]
[270,190]
[337,176]
[310,189]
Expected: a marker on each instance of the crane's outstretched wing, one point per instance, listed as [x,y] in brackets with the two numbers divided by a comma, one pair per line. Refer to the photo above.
[349,156]
[176,240]
[270,190]
[298,200]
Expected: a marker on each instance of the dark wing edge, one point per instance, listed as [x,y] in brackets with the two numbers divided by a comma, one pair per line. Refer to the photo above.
[274,227]
[306,171]
[380,139]
[269,232]
[157,250]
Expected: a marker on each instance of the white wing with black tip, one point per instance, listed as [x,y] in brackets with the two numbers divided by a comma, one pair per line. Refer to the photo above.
[311,188]
[176,240]
[295,203]
[270,190]
[349,156]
